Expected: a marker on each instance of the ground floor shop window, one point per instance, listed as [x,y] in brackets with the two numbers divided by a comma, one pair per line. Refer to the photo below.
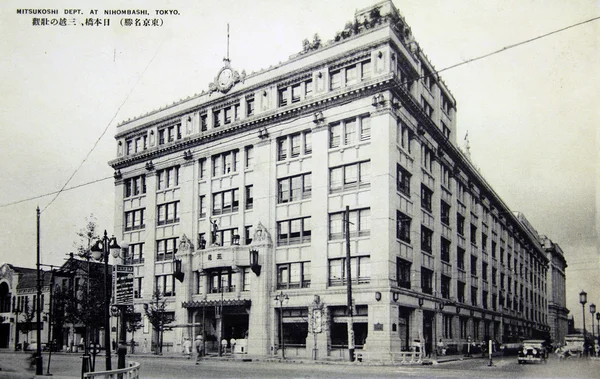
[339,335]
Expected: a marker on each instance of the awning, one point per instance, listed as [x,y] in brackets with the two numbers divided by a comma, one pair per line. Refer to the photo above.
[213,303]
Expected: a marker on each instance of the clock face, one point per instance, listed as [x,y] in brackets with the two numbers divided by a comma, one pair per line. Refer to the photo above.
[225,78]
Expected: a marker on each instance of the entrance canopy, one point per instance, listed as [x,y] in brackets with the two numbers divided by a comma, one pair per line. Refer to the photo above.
[216,303]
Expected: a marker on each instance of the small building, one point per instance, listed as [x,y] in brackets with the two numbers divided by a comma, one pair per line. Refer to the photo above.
[18,299]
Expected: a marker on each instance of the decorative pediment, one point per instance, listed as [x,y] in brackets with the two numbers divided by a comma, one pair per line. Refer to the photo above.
[185,245]
[261,235]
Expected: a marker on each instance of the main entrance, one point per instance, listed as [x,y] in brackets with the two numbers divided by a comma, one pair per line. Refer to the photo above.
[220,321]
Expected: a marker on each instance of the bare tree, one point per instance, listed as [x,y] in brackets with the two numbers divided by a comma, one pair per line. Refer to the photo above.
[158,317]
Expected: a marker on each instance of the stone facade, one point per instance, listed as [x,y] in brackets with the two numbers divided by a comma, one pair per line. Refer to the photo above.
[263,166]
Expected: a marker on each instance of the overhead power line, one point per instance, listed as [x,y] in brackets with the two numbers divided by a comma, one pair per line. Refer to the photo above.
[55,192]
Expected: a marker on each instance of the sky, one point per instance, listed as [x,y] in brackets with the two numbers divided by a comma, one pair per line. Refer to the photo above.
[531,112]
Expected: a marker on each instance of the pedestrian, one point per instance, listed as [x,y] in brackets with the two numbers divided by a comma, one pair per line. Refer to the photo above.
[187,347]
[145,350]
[199,345]
[232,343]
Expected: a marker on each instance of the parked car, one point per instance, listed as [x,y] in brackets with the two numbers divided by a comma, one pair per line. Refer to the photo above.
[533,351]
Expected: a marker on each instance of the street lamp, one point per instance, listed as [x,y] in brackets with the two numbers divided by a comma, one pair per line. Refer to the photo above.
[598,325]
[281,298]
[583,301]
[101,250]
[592,311]
[122,310]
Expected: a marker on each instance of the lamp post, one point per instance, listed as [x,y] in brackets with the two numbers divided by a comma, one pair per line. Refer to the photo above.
[598,325]
[583,301]
[281,298]
[100,251]
[592,311]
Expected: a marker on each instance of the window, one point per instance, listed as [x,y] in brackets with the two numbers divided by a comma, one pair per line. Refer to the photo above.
[283,96]
[166,249]
[249,106]
[202,169]
[446,131]
[228,115]
[308,88]
[293,275]
[349,177]
[460,291]
[249,199]
[227,237]
[445,286]
[225,202]
[447,320]
[494,245]
[403,273]
[426,107]
[473,295]
[246,279]
[334,135]
[484,242]
[365,70]
[135,186]
[426,197]
[282,148]
[168,213]
[428,80]
[460,224]
[403,136]
[296,92]
[249,163]
[165,284]
[135,254]
[236,111]
[473,234]
[216,118]
[484,273]
[403,180]
[426,280]
[360,224]
[294,188]
[464,328]
[203,122]
[360,270]
[295,144]
[445,213]
[484,300]
[426,239]
[445,254]
[365,128]
[473,265]
[426,158]
[350,129]
[307,142]
[349,132]
[248,234]
[335,79]
[225,163]
[161,136]
[202,206]
[351,75]
[129,147]
[167,178]
[138,288]
[290,232]
[403,227]
[134,220]
[460,258]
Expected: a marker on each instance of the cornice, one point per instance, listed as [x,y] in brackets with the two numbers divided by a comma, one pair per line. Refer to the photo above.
[293,76]
[259,121]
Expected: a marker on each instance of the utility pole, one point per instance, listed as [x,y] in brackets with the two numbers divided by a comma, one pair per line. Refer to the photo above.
[349,286]
[38,359]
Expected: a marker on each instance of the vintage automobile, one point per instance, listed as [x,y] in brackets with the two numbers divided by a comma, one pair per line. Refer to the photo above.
[533,351]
